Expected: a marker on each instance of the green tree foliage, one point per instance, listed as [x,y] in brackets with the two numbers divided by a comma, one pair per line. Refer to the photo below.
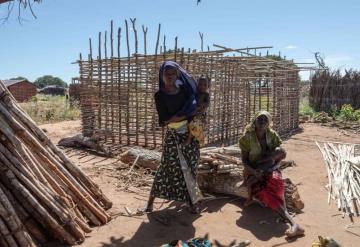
[48,80]
[275,57]
[19,78]
[347,113]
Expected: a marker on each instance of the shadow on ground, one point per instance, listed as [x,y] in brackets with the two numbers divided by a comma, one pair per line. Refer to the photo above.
[175,222]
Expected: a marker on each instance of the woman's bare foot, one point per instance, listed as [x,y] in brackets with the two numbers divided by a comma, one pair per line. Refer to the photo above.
[146,209]
[295,231]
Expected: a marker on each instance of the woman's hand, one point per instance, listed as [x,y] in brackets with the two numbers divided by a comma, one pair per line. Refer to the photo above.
[258,174]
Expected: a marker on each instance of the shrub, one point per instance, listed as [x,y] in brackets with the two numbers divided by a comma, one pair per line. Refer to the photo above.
[347,113]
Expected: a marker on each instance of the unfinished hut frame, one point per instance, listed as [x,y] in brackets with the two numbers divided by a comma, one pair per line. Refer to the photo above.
[117,90]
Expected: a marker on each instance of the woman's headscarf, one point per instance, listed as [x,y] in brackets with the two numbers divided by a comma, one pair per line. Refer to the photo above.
[251,126]
[188,83]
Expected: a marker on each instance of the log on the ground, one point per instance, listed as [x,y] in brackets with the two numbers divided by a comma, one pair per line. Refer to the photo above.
[233,184]
[43,195]
[216,156]
[145,158]
[80,141]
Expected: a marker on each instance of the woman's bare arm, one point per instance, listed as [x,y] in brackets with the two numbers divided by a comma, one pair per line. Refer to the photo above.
[246,162]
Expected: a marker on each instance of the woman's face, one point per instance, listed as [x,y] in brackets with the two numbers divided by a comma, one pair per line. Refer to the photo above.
[262,122]
[170,76]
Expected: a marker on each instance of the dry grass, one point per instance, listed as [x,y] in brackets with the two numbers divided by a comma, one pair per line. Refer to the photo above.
[50,109]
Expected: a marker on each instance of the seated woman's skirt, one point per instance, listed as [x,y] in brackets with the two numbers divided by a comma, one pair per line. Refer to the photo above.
[271,190]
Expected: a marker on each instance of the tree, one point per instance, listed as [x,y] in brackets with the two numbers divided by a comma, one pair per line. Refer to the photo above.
[47,80]
[19,78]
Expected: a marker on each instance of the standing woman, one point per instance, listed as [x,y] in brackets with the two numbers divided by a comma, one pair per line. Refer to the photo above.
[175,101]
[259,142]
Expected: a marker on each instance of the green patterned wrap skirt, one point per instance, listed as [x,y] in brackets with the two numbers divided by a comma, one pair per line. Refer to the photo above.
[170,182]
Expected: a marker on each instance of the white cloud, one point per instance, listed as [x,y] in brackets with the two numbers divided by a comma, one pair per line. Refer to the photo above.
[291,47]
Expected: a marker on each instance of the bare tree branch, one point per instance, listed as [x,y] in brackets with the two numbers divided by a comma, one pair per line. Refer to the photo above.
[22,4]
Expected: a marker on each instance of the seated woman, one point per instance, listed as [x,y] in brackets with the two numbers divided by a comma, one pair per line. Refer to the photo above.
[175,101]
[258,143]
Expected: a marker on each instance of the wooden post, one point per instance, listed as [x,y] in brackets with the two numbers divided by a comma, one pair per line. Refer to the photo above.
[119,84]
[128,81]
[136,82]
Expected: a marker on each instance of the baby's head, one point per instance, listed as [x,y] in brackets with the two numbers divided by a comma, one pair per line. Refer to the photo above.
[203,84]
[279,154]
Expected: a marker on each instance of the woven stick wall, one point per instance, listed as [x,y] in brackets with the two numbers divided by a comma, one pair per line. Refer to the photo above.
[117,89]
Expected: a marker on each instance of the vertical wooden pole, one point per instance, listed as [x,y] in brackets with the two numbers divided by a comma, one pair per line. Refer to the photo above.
[202,41]
[112,70]
[100,83]
[106,88]
[154,84]
[146,87]
[176,45]
[128,81]
[164,45]
[120,100]
[133,21]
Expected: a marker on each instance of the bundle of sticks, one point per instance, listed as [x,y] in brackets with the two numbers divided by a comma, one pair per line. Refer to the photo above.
[343,169]
[43,195]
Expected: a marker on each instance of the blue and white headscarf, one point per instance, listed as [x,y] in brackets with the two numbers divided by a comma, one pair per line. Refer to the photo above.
[187,82]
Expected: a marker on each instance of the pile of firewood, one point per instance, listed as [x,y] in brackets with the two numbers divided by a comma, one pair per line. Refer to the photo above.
[43,195]
[343,167]
[220,160]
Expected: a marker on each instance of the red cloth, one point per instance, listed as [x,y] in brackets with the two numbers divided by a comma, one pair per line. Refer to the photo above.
[272,191]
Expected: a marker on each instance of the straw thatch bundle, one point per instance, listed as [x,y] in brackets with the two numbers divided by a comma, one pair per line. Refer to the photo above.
[332,89]
[43,195]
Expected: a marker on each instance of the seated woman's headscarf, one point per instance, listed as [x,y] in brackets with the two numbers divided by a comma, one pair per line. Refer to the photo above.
[251,126]
[187,82]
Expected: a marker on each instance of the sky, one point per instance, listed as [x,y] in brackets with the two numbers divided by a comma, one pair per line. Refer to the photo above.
[49,44]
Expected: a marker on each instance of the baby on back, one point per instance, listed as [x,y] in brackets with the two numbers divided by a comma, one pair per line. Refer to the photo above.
[198,124]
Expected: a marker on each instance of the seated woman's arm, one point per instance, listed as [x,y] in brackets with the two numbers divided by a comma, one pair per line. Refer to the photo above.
[248,167]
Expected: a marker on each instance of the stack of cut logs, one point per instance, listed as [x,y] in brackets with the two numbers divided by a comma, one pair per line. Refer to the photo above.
[220,160]
[43,195]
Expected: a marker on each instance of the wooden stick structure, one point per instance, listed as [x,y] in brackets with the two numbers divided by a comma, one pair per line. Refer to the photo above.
[241,84]
[43,195]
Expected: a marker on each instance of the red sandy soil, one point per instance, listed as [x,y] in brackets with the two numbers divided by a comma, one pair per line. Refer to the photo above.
[224,219]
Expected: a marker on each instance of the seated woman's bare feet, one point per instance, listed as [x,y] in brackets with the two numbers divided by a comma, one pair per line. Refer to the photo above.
[295,231]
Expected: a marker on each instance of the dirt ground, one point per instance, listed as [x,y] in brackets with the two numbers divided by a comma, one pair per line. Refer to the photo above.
[225,219]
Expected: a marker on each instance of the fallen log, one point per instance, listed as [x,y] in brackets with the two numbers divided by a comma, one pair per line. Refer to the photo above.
[145,158]
[233,184]
[80,141]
